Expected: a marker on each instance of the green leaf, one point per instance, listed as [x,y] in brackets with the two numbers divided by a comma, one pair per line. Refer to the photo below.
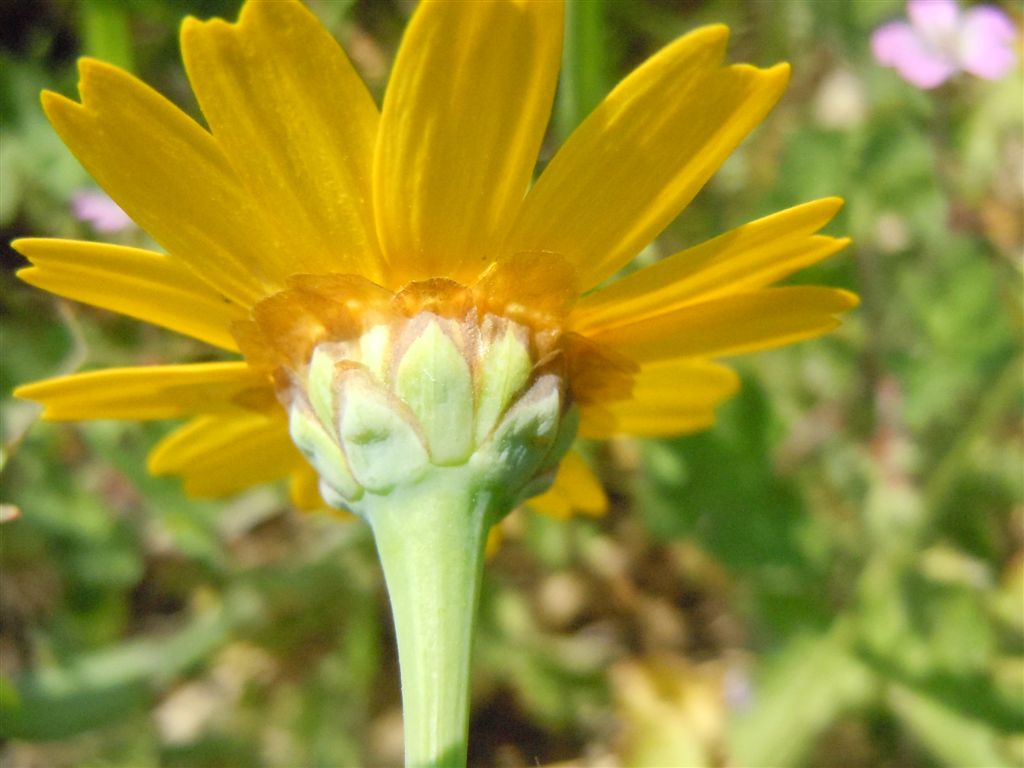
[804,689]
[99,688]
[971,696]
[106,32]
[953,738]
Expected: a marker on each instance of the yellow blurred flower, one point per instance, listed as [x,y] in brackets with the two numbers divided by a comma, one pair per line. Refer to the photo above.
[306,216]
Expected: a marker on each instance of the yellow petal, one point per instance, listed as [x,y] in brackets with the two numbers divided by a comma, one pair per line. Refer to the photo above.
[669,398]
[148,286]
[170,176]
[644,153]
[297,124]
[653,423]
[575,490]
[494,539]
[304,489]
[740,261]
[732,325]
[463,118]
[221,454]
[151,392]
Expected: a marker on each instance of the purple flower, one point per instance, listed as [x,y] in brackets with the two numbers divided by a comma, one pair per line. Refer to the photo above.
[940,41]
[97,209]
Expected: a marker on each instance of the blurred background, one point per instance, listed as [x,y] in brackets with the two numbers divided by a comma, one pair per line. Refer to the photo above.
[833,575]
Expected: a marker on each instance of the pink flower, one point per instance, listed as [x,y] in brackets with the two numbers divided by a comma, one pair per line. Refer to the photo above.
[940,41]
[97,209]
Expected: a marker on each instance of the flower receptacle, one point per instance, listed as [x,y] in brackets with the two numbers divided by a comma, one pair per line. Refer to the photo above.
[407,399]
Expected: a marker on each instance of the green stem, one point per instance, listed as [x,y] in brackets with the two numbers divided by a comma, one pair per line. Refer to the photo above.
[1000,396]
[583,80]
[431,539]
[106,31]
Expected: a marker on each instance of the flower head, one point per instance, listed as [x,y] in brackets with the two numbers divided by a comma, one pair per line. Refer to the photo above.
[330,243]
[940,41]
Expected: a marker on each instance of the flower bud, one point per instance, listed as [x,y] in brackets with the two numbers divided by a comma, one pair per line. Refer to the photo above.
[416,395]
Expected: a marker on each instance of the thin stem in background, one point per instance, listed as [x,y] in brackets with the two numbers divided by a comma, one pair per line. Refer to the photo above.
[584,79]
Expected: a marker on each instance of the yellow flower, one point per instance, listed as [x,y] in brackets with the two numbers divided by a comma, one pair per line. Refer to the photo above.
[306,216]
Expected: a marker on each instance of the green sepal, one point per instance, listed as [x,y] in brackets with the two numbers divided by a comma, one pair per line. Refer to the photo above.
[434,381]
[505,368]
[521,441]
[321,450]
[382,447]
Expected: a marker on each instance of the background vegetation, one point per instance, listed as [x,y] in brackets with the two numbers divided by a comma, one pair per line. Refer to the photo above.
[833,575]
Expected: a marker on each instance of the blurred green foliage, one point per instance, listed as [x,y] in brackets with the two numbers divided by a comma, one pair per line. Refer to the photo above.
[833,575]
